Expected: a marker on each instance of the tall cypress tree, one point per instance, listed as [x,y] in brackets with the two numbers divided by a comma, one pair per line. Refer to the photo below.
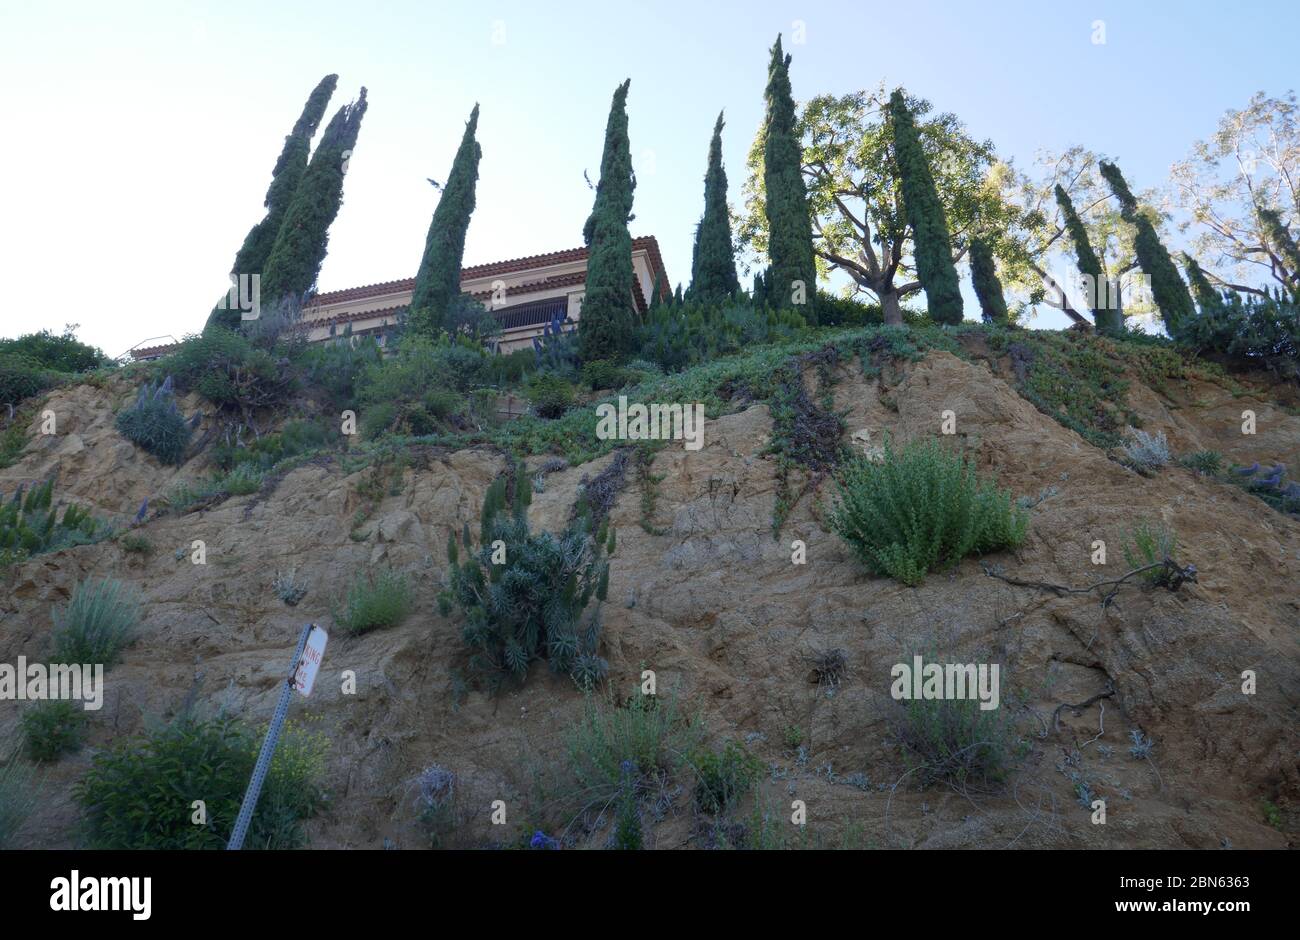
[1107,317]
[285,177]
[932,247]
[713,264]
[984,276]
[437,283]
[789,242]
[1207,298]
[608,310]
[1167,288]
[1280,241]
[299,250]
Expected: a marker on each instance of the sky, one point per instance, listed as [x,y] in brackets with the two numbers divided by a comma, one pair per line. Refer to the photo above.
[140,136]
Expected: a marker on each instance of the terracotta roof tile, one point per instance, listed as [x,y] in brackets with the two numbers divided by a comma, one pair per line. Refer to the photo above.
[647,242]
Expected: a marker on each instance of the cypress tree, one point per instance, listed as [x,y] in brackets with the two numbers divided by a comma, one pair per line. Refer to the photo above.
[295,260]
[1280,240]
[1167,288]
[1108,319]
[608,311]
[713,264]
[1207,298]
[984,276]
[437,283]
[789,225]
[285,177]
[758,296]
[932,247]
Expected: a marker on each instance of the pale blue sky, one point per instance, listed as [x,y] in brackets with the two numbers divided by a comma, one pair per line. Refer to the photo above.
[140,135]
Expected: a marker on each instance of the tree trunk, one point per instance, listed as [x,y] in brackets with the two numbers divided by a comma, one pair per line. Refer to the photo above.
[889,304]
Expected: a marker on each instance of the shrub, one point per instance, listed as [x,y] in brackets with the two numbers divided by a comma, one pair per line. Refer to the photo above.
[956,742]
[29,526]
[1146,452]
[243,480]
[1254,331]
[155,423]
[97,624]
[550,395]
[920,509]
[677,336]
[723,778]
[376,599]
[13,440]
[436,803]
[136,544]
[422,387]
[1205,462]
[18,788]
[59,353]
[603,374]
[137,794]
[288,588]
[647,731]
[377,419]
[1150,544]
[528,605]
[297,437]
[52,728]
[336,368]
[22,377]
[229,371]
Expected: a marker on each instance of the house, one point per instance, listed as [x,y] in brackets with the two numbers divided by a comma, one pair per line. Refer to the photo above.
[523,295]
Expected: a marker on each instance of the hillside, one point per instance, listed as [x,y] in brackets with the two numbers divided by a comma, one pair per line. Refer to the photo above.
[701,593]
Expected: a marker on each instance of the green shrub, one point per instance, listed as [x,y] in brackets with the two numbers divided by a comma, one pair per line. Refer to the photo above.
[377,419]
[647,731]
[297,437]
[723,778]
[678,336]
[920,509]
[13,440]
[229,371]
[59,353]
[52,728]
[1150,544]
[242,481]
[1208,463]
[136,544]
[99,621]
[22,377]
[376,599]
[156,424]
[529,605]
[436,804]
[954,741]
[550,395]
[18,789]
[603,374]
[335,369]
[138,794]
[29,526]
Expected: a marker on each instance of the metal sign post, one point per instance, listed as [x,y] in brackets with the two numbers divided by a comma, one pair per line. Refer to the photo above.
[302,675]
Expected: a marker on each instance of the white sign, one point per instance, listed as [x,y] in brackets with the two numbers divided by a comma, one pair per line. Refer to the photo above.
[309,665]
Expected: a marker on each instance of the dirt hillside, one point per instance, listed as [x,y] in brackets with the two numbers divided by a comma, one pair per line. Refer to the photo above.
[715,607]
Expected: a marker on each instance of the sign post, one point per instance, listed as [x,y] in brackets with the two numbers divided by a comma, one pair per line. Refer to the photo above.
[301,678]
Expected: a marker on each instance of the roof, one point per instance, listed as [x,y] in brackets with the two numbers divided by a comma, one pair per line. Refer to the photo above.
[648,243]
